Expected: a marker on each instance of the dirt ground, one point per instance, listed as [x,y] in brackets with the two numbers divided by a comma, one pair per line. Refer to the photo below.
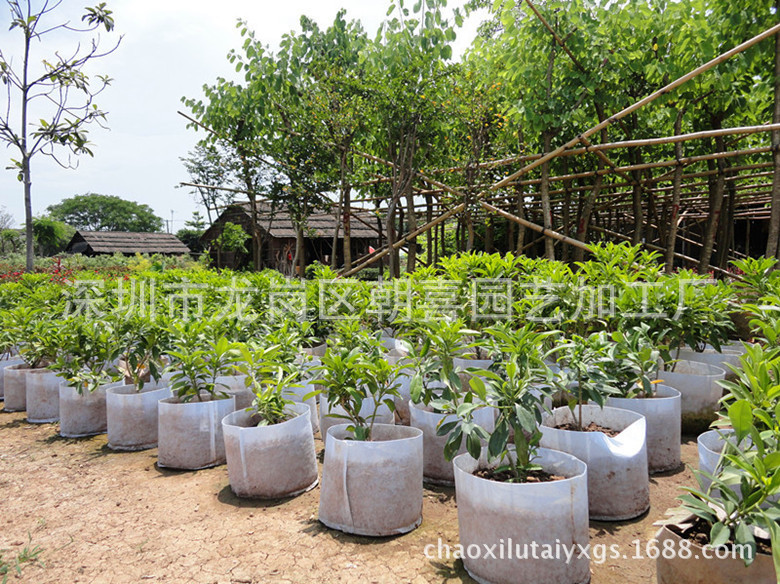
[105,517]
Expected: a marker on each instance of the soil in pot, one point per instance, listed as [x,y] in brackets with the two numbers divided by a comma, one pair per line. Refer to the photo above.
[618,482]
[592,427]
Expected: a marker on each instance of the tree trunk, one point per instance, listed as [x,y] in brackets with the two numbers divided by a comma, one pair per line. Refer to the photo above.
[716,202]
[774,220]
[300,251]
[430,235]
[544,190]
[411,256]
[671,239]
[490,233]
[346,189]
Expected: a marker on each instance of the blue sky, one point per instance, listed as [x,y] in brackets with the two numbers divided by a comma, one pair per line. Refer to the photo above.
[169,50]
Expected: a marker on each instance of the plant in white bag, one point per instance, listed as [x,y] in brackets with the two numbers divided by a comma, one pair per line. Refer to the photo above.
[200,355]
[352,376]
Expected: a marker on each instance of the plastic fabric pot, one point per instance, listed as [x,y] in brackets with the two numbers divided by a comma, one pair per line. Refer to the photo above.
[269,462]
[698,384]
[43,396]
[710,356]
[3,364]
[15,387]
[372,488]
[235,385]
[189,434]
[398,353]
[686,563]
[437,469]
[132,416]
[383,414]
[316,351]
[83,414]
[662,414]
[514,516]
[618,484]
[297,394]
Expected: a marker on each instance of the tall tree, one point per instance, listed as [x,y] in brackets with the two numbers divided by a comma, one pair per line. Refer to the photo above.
[59,94]
[95,212]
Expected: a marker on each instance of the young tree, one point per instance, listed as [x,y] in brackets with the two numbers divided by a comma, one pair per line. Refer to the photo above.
[59,94]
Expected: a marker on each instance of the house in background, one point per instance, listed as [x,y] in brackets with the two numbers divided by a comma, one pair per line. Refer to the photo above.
[277,234]
[92,243]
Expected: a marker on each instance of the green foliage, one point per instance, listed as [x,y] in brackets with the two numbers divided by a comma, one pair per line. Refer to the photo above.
[200,355]
[634,360]
[586,361]
[515,388]
[354,376]
[94,212]
[232,238]
[88,351]
[51,235]
[270,375]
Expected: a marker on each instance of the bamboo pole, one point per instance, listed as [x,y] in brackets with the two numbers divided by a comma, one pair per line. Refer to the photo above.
[639,104]
[538,228]
[363,262]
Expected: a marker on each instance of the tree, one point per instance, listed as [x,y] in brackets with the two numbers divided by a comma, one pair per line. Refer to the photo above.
[95,212]
[193,229]
[59,94]
[208,167]
[51,236]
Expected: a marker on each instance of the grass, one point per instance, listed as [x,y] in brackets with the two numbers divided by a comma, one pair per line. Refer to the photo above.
[28,555]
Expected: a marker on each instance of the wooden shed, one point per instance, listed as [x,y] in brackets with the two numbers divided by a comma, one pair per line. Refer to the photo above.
[277,234]
[92,243]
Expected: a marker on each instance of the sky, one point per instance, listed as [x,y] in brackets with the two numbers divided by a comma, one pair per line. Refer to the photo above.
[169,49]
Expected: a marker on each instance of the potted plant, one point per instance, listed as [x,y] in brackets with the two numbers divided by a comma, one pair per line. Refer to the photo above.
[436,391]
[633,365]
[372,473]
[87,368]
[131,408]
[349,335]
[513,492]
[610,441]
[39,341]
[269,446]
[189,423]
[746,522]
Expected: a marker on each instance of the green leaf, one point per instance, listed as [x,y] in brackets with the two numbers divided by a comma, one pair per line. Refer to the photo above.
[741,417]
[719,534]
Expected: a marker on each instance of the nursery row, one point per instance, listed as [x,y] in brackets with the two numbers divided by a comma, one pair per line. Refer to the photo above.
[539,428]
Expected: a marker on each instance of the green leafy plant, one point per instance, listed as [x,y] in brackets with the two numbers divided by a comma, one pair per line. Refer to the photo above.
[587,361]
[516,389]
[269,375]
[90,349]
[733,516]
[352,376]
[200,355]
[144,341]
[633,362]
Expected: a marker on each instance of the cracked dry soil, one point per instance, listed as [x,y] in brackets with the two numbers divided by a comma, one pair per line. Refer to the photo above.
[106,517]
